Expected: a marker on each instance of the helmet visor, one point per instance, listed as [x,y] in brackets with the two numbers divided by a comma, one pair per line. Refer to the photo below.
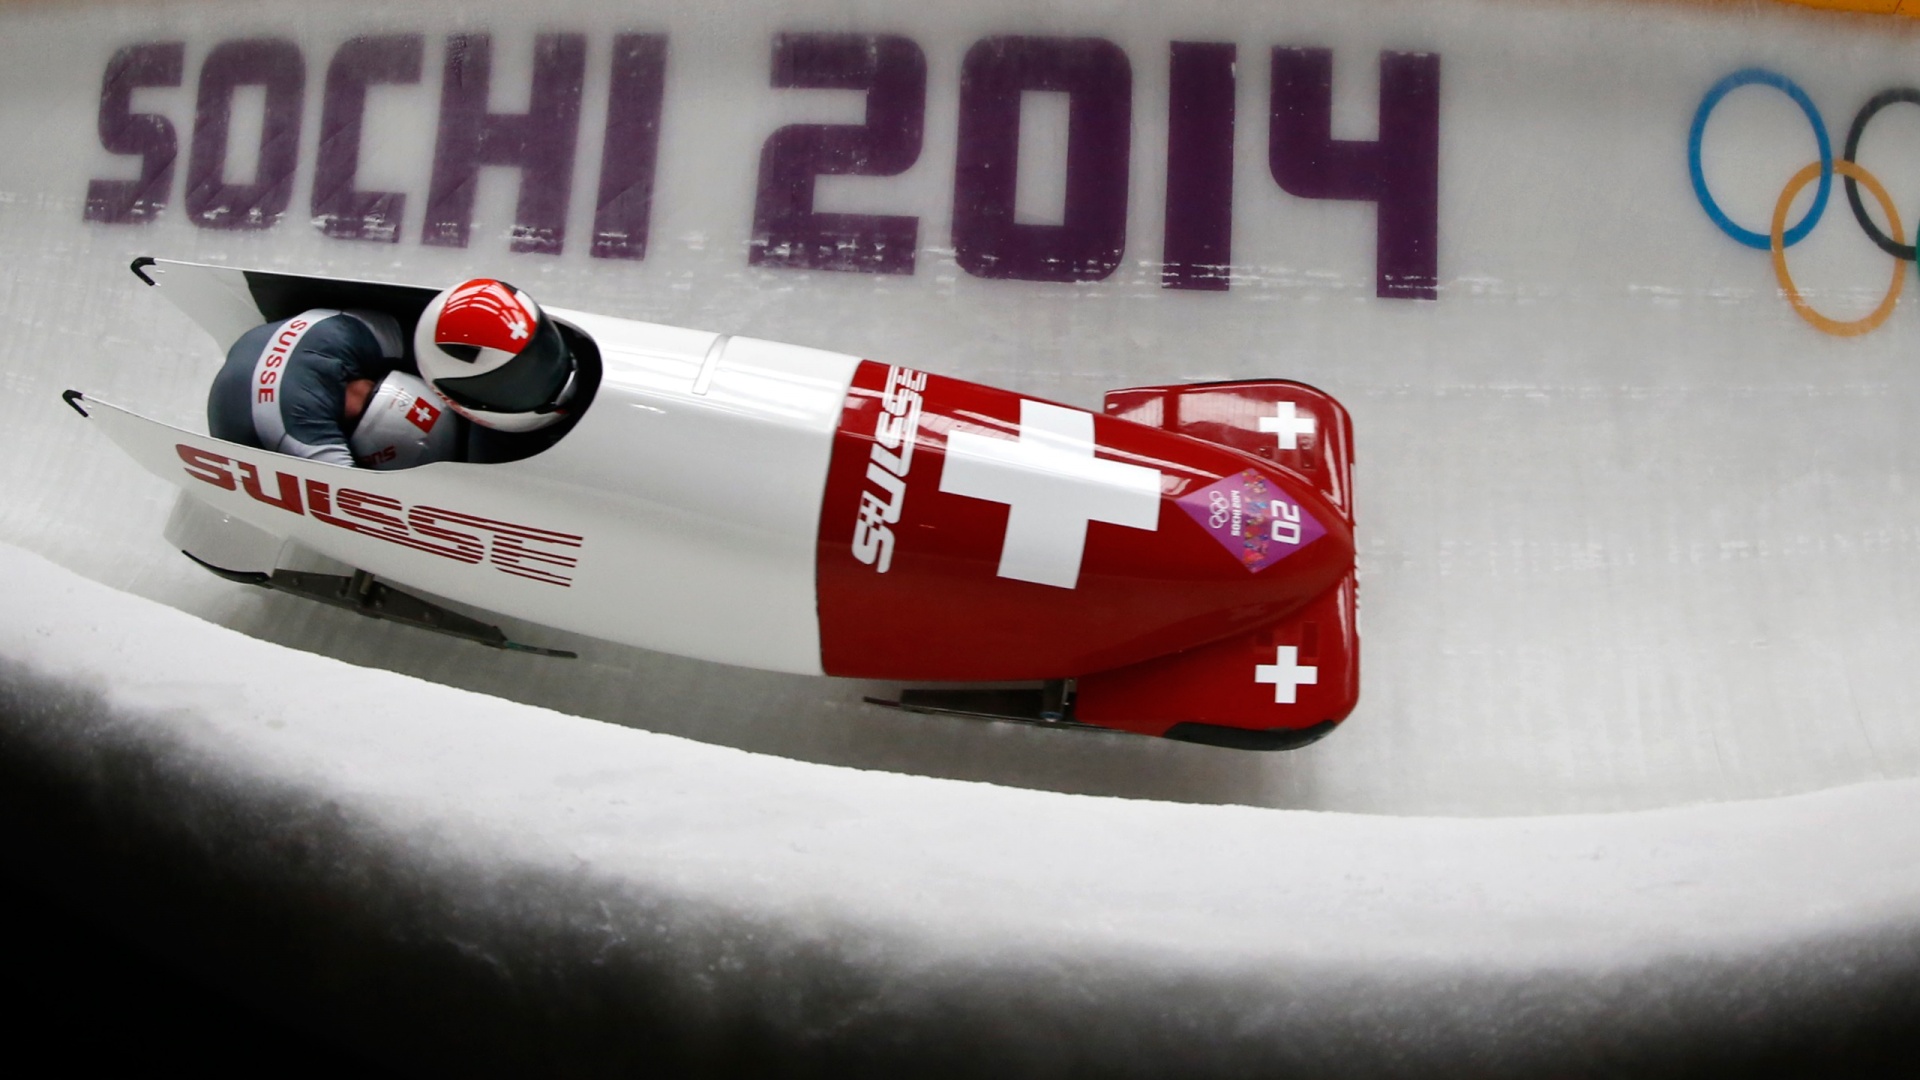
[530,382]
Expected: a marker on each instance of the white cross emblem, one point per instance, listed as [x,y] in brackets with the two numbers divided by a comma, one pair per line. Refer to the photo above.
[1053,486]
[1286,673]
[1289,423]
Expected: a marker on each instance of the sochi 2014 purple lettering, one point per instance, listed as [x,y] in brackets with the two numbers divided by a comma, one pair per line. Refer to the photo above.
[1198,252]
[787,231]
[1398,171]
[630,150]
[341,209]
[147,136]
[1098,82]
[539,142]
[212,200]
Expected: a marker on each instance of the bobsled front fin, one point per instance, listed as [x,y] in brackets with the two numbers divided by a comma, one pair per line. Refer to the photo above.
[1288,423]
[227,301]
[214,297]
[1276,688]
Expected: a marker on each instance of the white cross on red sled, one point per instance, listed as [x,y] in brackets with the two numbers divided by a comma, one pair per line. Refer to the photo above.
[1287,674]
[1053,486]
[1289,423]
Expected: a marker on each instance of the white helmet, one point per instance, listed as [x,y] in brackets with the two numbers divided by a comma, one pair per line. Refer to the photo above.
[405,425]
[495,356]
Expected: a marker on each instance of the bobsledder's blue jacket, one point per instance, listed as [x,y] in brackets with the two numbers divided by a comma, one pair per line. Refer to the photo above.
[302,393]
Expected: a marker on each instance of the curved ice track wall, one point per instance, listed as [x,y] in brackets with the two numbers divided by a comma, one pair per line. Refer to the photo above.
[1637,531]
[428,872]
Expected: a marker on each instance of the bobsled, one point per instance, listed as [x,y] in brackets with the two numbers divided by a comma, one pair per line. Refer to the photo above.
[1178,563]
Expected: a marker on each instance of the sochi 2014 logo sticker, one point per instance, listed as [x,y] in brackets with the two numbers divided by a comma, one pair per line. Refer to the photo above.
[1780,235]
[1249,517]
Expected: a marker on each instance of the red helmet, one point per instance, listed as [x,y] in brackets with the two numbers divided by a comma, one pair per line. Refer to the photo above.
[495,356]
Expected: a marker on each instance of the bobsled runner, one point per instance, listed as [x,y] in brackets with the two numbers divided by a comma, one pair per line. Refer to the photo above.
[1179,563]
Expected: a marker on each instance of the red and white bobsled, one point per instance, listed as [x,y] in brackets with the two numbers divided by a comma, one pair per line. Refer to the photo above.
[1178,564]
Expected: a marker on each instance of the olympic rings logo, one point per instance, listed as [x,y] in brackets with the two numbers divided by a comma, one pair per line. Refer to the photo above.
[1218,504]
[1781,236]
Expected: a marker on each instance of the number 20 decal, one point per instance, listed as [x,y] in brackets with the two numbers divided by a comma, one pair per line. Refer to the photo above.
[1286,522]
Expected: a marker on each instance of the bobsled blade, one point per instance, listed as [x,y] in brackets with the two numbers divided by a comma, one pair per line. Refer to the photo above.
[1049,703]
[228,301]
[363,595]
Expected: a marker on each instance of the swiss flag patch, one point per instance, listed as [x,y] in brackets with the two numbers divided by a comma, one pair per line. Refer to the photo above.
[422,414]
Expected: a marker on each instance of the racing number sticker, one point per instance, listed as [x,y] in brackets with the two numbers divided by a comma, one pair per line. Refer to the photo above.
[1251,519]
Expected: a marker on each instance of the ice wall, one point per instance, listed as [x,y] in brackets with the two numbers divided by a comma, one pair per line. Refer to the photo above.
[450,881]
[1634,531]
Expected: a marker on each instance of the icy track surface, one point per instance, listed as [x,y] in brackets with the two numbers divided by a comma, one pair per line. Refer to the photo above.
[1632,533]
[865,918]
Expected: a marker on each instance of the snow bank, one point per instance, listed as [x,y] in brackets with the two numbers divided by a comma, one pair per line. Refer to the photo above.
[452,875]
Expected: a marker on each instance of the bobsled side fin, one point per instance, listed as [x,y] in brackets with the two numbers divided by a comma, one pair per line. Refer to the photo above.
[215,297]
[1277,687]
[227,301]
[1290,424]
[282,296]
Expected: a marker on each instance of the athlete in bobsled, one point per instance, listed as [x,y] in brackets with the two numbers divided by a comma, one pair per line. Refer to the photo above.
[333,385]
[1177,561]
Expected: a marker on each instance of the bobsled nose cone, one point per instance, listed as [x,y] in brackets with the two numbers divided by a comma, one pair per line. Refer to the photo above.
[969,533]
